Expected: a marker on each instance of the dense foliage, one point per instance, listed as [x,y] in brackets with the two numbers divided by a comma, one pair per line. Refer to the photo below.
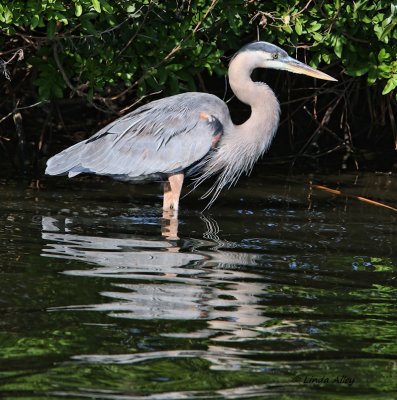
[111,53]
[89,45]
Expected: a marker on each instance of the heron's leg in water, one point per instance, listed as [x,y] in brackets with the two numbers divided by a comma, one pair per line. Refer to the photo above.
[169,224]
[172,191]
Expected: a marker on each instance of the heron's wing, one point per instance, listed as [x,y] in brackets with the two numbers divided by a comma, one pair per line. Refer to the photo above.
[164,136]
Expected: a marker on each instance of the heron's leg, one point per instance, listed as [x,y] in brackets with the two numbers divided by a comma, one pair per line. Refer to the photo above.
[172,191]
[169,224]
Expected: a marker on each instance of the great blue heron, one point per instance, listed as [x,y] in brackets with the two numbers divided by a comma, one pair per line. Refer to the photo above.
[189,134]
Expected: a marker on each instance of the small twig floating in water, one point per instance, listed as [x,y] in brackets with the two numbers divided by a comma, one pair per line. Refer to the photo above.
[361,198]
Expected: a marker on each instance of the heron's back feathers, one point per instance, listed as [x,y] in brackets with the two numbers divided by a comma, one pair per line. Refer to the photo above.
[162,137]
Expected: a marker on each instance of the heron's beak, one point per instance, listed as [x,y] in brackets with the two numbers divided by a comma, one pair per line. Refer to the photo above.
[298,67]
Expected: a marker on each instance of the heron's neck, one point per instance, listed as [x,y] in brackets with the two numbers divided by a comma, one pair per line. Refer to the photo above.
[265,108]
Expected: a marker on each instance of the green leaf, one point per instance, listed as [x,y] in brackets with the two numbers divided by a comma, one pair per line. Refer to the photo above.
[314,26]
[174,67]
[97,5]
[162,75]
[287,28]
[8,16]
[78,10]
[387,30]
[373,75]
[338,46]
[315,60]
[60,17]
[357,70]
[88,26]
[152,82]
[390,85]
[298,27]
[317,37]
[383,55]
[107,8]
[326,58]
[34,21]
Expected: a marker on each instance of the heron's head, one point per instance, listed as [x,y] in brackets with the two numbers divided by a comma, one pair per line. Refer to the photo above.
[267,55]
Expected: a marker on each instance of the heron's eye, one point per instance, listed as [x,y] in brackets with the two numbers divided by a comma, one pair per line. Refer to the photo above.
[275,56]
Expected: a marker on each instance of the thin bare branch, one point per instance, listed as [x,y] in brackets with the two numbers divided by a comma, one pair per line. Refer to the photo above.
[3,64]
[360,198]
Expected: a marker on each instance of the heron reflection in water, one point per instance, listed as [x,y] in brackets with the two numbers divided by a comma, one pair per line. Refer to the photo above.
[189,134]
[151,279]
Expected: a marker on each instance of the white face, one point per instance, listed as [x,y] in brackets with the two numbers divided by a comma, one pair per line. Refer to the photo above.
[279,59]
[267,55]
[276,59]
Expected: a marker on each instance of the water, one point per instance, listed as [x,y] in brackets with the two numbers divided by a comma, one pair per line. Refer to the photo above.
[283,290]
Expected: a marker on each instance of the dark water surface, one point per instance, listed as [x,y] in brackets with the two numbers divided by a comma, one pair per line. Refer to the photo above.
[283,290]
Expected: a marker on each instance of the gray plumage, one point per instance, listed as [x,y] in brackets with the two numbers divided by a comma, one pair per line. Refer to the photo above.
[190,133]
[162,137]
